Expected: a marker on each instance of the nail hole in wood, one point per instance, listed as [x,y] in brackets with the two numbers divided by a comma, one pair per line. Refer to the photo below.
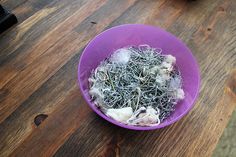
[208,29]
[39,119]
[221,9]
[93,22]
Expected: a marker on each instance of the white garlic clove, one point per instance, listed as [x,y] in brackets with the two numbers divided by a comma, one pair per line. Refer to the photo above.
[145,116]
[170,59]
[164,74]
[139,113]
[121,114]
[95,92]
[121,56]
[179,94]
[167,66]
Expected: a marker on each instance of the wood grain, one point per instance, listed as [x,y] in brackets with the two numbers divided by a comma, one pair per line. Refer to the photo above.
[46,53]
[38,75]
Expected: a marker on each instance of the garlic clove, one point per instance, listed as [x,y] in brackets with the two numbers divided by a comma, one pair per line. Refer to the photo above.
[179,94]
[121,114]
[144,116]
[121,56]
[95,92]
[170,59]
[167,66]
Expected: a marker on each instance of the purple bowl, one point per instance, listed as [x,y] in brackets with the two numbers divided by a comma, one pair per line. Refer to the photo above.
[117,37]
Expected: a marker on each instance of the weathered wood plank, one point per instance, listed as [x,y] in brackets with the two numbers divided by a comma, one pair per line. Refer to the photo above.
[43,42]
[20,124]
[61,123]
[47,53]
[22,10]
[38,23]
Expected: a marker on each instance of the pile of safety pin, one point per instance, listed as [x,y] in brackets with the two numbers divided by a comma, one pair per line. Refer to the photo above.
[137,85]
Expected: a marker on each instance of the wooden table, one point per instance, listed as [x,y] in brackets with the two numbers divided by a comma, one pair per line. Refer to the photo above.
[42,112]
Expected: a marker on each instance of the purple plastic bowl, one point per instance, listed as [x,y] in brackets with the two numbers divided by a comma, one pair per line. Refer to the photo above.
[117,37]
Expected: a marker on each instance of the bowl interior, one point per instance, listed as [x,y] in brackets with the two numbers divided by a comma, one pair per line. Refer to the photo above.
[112,39]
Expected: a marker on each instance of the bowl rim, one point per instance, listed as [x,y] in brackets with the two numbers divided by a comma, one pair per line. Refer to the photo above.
[132,127]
